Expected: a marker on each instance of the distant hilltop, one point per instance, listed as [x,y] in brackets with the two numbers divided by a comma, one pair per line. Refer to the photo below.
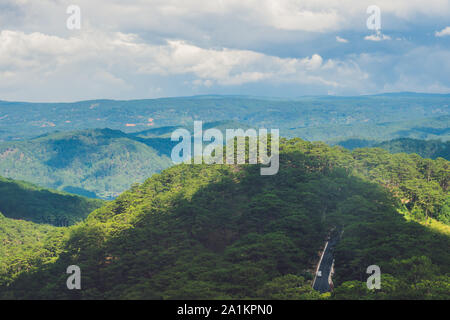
[326,118]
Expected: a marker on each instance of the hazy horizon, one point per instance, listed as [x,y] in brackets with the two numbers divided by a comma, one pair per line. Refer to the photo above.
[236,95]
[287,48]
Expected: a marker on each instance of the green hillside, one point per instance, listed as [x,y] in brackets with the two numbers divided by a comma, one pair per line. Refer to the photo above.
[23,200]
[96,163]
[166,132]
[160,138]
[425,148]
[22,243]
[425,128]
[220,231]
[93,163]
[324,118]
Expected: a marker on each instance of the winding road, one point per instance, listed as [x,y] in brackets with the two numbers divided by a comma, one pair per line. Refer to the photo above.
[321,280]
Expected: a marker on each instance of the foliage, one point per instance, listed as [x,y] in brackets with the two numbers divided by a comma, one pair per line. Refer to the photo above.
[425,148]
[325,118]
[24,243]
[96,163]
[23,200]
[225,231]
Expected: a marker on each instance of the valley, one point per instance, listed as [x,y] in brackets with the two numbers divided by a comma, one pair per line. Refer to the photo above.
[325,118]
[197,231]
[246,152]
[215,231]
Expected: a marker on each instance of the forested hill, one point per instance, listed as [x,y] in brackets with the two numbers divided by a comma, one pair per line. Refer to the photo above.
[98,163]
[25,201]
[222,231]
[425,148]
[324,118]
[21,244]
[94,163]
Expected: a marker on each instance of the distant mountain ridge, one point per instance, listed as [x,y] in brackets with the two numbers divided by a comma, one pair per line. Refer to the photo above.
[425,148]
[102,163]
[313,118]
[98,163]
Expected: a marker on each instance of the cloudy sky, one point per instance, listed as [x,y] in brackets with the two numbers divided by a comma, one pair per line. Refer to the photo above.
[158,48]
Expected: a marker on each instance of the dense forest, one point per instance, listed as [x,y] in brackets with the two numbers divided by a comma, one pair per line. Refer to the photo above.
[225,231]
[425,148]
[332,119]
[320,118]
[94,163]
[102,163]
[22,243]
[25,201]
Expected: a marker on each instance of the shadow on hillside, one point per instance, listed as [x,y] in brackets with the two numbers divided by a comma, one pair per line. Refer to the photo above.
[40,205]
[235,232]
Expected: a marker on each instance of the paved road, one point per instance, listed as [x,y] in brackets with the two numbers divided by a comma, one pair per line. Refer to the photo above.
[321,284]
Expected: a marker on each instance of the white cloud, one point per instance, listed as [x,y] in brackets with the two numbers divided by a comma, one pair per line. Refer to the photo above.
[421,69]
[444,32]
[342,40]
[377,37]
[126,47]
[107,60]
[295,15]
[197,16]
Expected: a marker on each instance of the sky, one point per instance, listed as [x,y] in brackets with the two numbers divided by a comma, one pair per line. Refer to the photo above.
[138,49]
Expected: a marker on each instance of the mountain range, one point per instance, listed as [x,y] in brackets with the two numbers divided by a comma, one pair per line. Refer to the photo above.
[226,232]
[325,118]
[102,163]
[377,181]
